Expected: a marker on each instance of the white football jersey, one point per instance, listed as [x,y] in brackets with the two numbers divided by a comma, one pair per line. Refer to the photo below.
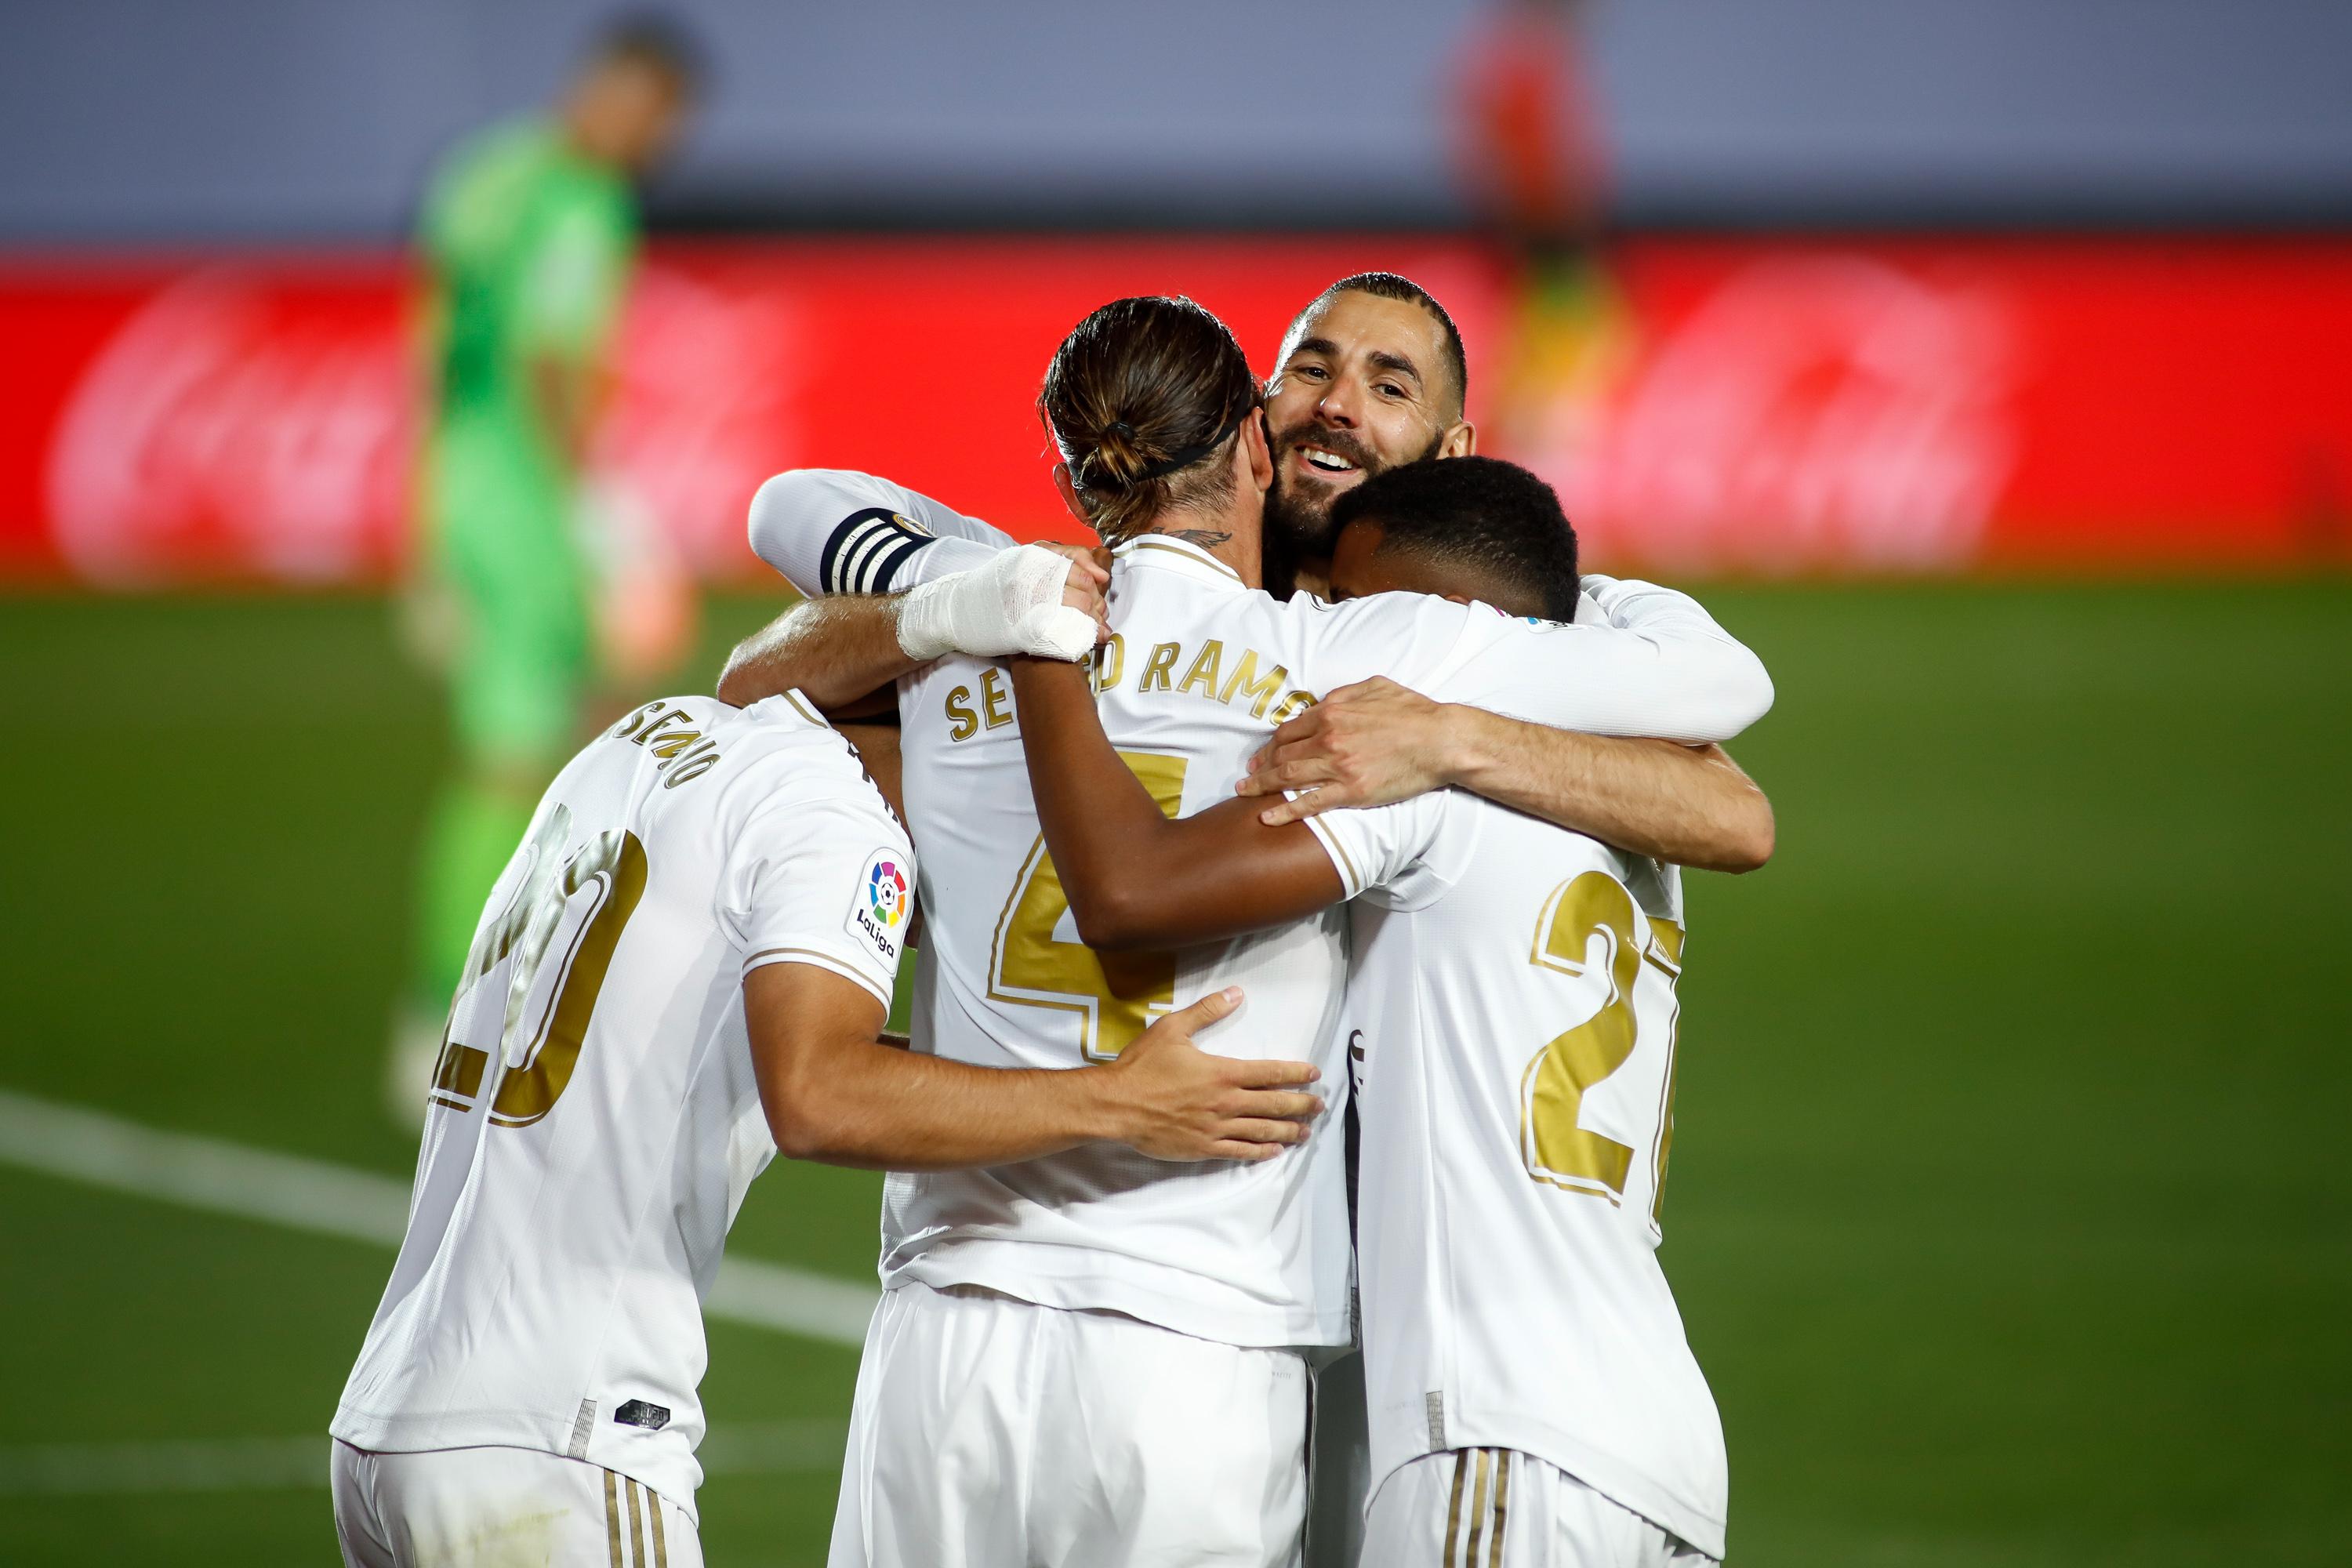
[595,1121]
[1511,1017]
[1200,669]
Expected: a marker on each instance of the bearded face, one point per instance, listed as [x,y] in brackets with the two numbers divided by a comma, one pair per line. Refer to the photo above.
[1364,385]
[1314,464]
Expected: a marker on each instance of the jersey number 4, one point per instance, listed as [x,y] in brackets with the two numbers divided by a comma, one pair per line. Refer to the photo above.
[1556,1148]
[1114,995]
[540,1059]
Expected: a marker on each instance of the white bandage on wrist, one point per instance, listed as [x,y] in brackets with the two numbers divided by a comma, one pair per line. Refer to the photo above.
[1013,605]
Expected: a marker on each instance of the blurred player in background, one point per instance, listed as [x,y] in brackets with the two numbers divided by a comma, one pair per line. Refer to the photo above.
[529,236]
[1533,158]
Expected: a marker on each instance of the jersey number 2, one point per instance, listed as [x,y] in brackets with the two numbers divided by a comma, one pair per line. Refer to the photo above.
[1555,1147]
[1115,995]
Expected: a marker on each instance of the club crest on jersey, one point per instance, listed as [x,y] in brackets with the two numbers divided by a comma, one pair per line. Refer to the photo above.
[878,909]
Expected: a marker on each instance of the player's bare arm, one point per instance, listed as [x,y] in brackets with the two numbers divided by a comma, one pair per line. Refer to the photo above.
[1377,741]
[834,1092]
[843,652]
[1134,877]
[839,652]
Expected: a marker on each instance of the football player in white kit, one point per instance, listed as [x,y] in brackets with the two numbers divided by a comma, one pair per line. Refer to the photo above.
[1511,1017]
[1094,1358]
[685,965]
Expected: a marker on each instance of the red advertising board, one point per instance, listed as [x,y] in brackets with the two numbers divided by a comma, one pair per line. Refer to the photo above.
[1749,406]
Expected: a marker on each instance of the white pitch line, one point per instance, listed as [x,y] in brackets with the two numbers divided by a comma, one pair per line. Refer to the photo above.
[811,1444]
[221,1177]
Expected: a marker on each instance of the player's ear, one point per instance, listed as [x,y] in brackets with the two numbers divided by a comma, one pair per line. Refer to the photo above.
[1068,492]
[1462,441]
[1254,445]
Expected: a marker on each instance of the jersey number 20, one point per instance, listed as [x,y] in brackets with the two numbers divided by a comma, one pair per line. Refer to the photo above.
[540,1067]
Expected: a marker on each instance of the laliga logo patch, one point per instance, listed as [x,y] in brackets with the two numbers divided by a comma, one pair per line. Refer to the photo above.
[878,908]
[886,893]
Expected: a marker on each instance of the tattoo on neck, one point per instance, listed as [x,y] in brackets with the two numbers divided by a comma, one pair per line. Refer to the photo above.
[1206,538]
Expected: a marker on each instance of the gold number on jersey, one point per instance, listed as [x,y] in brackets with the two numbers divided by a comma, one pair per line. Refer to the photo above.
[1592,907]
[1115,995]
[528,1090]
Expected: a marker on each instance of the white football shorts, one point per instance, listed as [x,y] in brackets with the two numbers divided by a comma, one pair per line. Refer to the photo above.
[1494,1508]
[989,1431]
[486,1508]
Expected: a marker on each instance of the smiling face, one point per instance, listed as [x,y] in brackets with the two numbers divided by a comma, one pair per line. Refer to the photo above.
[1364,384]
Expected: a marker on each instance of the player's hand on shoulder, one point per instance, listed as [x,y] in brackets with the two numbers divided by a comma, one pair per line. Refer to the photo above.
[1087,583]
[1367,744]
[1172,1100]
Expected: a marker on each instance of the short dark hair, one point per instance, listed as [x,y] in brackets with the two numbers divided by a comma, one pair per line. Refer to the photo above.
[656,40]
[1395,285]
[1491,517]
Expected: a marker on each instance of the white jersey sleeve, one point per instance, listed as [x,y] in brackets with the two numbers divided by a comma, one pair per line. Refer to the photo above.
[835,530]
[1660,667]
[1385,849]
[820,878]
[1640,659]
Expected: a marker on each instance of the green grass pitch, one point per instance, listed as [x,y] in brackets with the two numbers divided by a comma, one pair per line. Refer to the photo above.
[2011,1213]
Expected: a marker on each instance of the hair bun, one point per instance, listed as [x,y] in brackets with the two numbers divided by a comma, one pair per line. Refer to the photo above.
[1117,459]
[1126,388]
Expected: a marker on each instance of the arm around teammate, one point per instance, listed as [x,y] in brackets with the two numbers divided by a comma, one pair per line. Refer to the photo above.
[834,1093]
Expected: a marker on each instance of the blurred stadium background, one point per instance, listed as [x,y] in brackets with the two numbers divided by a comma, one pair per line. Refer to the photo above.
[1987,363]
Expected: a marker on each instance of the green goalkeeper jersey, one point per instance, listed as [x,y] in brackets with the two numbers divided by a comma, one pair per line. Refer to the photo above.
[528,247]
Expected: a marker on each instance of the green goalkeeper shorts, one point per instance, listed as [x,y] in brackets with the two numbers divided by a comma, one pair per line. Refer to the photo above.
[503,543]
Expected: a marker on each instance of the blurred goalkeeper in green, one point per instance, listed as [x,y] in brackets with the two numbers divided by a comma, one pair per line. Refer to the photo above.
[527,239]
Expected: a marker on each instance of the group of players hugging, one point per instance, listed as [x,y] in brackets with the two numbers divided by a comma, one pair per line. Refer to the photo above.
[1277,1162]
